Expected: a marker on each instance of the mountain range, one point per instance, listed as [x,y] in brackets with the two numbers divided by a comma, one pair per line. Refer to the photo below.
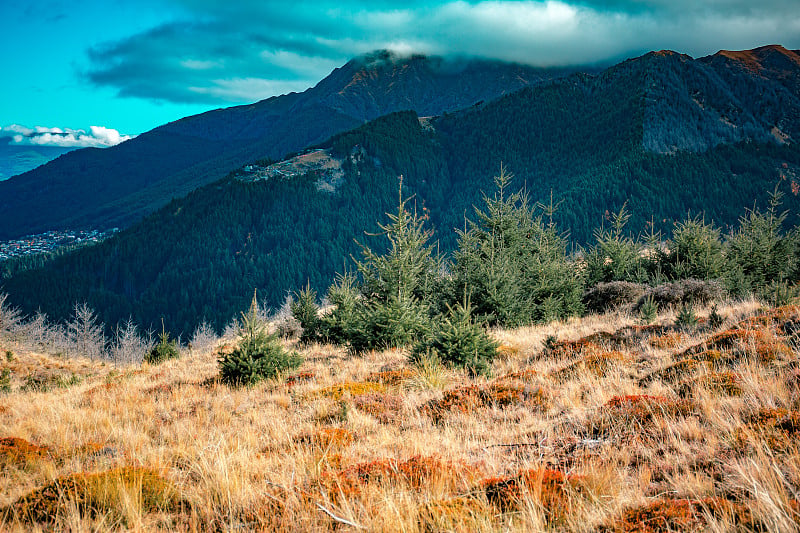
[664,134]
[117,186]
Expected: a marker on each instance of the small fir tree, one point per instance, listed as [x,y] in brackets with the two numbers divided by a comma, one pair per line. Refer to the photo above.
[259,355]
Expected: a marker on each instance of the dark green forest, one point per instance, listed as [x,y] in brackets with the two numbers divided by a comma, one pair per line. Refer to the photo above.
[574,145]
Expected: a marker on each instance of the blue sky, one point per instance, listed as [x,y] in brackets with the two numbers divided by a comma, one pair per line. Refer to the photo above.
[126,66]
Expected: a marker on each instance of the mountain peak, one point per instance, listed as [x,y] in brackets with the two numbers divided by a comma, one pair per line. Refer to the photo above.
[756,59]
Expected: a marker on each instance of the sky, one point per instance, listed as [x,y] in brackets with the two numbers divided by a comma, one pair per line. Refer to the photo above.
[97,72]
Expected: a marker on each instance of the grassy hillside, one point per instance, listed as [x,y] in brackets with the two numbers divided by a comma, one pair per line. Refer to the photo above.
[593,424]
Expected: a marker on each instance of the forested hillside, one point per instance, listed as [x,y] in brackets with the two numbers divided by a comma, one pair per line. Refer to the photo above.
[117,186]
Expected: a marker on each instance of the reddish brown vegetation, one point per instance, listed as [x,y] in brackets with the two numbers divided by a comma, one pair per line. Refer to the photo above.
[416,473]
[350,388]
[681,515]
[326,438]
[386,408]
[97,493]
[391,378]
[20,453]
[468,399]
[302,377]
[633,413]
[596,363]
[552,489]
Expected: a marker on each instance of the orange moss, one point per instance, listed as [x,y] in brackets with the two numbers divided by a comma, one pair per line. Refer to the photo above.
[468,399]
[391,378]
[667,340]
[20,453]
[776,316]
[326,438]
[386,408]
[350,388]
[552,489]
[681,515]
[725,347]
[778,429]
[637,412]
[597,363]
[98,494]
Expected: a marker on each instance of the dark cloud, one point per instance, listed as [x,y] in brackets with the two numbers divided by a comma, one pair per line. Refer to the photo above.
[235,52]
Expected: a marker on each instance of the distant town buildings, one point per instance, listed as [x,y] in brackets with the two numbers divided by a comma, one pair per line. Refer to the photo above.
[51,241]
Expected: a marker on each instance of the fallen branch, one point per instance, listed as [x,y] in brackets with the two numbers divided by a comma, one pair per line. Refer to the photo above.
[338,518]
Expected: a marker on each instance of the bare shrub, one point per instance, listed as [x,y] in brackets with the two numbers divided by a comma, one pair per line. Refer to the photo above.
[10,317]
[129,345]
[85,333]
[610,295]
[204,337]
[286,325]
[683,291]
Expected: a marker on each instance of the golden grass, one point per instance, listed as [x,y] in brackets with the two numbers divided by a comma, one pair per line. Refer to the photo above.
[617,427]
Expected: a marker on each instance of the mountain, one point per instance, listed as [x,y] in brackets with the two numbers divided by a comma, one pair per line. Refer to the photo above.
[118,186]
[16,159]
[663,133]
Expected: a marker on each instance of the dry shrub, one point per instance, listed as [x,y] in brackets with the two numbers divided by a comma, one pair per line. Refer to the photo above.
[682,515]
[676,372]
[728,346]
[21,453]
[725,382]
[472,397]
[391,378]
[609,295]
[779,317]
[386,408]
[631,413]
[683,291]
[300,377]
[778,429]
[119,492]
[348,389]
[597,364]
[327,438]
[553,490]
[667,340]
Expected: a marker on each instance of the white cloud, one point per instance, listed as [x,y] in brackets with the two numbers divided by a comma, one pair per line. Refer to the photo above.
[97,136]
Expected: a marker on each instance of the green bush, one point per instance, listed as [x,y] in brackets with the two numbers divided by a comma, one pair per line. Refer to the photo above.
[695,251]
[759,253]
[306,311]
[512,265]
[382,325]
[615,256]
[259,355]
[456,340]
[648,310]
[686,319]
[166,348]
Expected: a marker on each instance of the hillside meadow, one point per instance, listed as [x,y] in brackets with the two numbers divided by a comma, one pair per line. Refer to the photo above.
[596,423]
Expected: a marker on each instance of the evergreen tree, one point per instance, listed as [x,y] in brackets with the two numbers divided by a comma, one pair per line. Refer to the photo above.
[511,266]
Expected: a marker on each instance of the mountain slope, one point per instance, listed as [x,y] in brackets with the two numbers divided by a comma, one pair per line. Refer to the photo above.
[278,227]
[119,185]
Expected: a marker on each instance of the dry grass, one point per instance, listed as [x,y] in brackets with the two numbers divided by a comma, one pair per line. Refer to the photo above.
[614,427]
